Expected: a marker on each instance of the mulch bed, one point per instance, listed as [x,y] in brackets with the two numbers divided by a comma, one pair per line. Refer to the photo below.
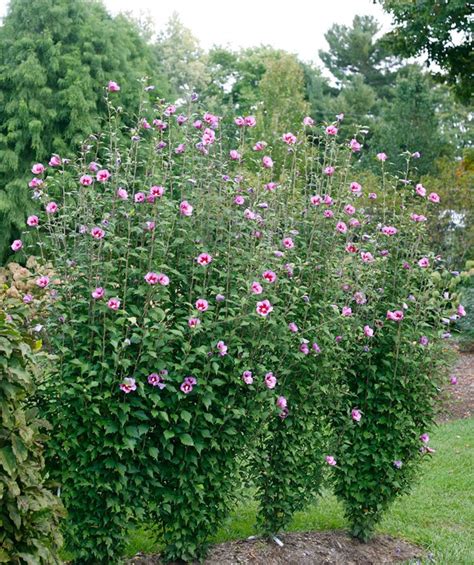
[336,547]
[306,548]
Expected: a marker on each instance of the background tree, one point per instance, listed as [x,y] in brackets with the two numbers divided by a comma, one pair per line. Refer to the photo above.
[180,56]
[318,93]
[410,123]
[223,72]
[358,102]
[357,51]
[440,30]
[282,92]
[455,119]
[452,231]
[236,75]
[364,71]
[55,58]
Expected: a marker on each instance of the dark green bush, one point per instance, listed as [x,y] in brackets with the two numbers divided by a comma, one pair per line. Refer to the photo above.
[392,378]
[29,512]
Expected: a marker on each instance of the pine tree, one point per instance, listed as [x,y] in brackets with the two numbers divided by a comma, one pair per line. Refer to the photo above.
[357,51]
[358,102]
[56,56]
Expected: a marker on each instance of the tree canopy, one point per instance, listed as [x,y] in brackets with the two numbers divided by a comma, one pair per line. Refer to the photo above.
[356,50]
[439,29]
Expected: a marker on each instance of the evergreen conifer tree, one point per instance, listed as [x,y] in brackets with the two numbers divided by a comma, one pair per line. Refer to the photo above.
[56,57]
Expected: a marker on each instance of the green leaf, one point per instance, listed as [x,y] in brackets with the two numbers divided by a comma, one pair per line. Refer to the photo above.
[186,416]
[207,401]
[110,427]
[186,439]
[6,347]
[19,448]
[8,460]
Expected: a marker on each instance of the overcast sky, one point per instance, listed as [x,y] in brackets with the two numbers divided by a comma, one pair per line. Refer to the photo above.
[297,26]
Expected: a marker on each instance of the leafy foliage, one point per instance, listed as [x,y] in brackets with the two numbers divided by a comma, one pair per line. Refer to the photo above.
[181,59]
[452,231]
[173,453]
[429,27]
[392,375]
[29,512]
[212,280]
[209,310]
[463,287]
[410,123]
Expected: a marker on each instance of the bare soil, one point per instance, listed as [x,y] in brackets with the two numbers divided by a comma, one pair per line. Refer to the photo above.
[307,548]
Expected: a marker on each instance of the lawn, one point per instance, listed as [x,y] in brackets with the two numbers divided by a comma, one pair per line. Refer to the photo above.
[438,515]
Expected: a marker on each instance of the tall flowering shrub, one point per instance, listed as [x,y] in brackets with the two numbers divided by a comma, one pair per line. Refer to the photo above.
[289,461]
[396,287]
[152,320]
[179,282]
[201,317]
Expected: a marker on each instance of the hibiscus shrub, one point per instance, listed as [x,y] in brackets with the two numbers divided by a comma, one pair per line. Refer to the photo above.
[153,323]
[172,303]
[393,373]
[289,460]
[208,317]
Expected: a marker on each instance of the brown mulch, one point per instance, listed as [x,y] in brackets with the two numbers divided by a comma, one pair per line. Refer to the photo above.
[458,399]
[306,548]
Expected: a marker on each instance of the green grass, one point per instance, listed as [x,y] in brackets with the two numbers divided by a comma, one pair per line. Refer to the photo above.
[438,514]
